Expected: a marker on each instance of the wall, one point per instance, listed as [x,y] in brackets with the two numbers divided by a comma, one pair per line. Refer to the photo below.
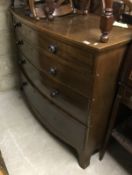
[8,71]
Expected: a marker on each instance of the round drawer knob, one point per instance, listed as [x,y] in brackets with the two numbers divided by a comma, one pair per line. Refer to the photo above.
[54,93]
[22,61]
[19,42]
[52,71]
[17,24]
[52,48]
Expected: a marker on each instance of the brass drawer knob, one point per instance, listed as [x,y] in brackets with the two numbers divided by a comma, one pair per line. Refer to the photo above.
[17,24]
[52,71]
[19,42]
[54,93]
[52,49]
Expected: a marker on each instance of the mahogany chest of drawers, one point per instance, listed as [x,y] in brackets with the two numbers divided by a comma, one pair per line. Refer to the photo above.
[68,77]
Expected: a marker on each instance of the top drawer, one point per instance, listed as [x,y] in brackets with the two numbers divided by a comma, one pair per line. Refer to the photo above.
[53,45]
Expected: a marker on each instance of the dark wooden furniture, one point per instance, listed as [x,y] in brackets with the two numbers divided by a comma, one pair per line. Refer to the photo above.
[51,9]
[122,10]
[69,77]
[123,132]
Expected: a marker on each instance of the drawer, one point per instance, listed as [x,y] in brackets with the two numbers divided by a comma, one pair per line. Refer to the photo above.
[127,96]
[76,77]
[53,46]
[58,122]
[65,98]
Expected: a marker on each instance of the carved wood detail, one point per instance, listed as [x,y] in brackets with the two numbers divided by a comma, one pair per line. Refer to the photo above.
[106,20]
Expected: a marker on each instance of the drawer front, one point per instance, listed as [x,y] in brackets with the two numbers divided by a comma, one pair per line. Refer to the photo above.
[71,102]
[127,96]
[77,77]
[53,118]
[53,46]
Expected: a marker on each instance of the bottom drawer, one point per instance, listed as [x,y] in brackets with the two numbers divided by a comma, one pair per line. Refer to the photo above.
[58,122]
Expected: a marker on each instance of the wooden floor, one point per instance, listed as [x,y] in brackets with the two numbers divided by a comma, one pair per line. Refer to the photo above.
[3,169]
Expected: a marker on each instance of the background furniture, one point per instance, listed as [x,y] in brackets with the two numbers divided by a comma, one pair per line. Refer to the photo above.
[123,11]
[68,77]
[121,130]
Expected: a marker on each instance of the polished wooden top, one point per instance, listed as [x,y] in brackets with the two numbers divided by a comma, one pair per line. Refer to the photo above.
[80,30]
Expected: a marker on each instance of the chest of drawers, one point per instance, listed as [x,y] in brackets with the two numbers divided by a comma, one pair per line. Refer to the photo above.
[68,78]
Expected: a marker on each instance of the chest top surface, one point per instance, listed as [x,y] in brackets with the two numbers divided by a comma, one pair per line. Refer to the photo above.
[77,29]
